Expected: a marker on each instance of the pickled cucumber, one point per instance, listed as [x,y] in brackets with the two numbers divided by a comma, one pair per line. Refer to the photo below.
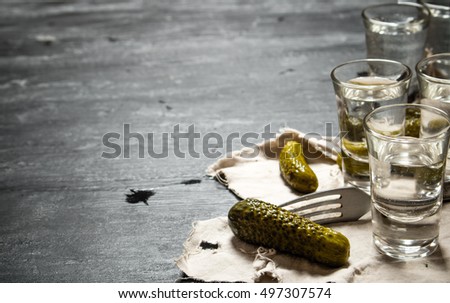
[412,128]
[261,223]
[295,170]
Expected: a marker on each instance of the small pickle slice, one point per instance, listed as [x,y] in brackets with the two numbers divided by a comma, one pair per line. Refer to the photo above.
[295,170]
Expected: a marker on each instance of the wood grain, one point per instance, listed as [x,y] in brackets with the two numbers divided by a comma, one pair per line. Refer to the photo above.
[72,71]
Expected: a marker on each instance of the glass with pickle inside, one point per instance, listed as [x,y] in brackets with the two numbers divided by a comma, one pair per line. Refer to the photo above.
[434,82]
[361,86]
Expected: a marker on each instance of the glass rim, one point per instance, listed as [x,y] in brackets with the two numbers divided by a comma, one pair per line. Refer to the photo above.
[431,5]
[426,61]
[407,140]
[337,81]
[425,21]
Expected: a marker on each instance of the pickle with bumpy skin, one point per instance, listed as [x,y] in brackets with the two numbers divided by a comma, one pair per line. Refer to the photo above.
[295,170]
[261,223]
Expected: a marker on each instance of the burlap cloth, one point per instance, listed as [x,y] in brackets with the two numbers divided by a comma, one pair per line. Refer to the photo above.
[212,253]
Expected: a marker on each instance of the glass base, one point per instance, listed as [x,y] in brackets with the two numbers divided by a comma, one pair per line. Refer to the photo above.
[405,250]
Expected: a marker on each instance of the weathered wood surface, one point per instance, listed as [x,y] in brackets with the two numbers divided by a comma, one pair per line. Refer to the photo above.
[72,71]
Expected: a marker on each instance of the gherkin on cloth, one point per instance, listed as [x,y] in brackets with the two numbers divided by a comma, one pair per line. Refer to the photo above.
[261,223]
[295,170]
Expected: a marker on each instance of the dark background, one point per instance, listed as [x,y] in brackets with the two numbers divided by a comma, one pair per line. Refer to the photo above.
[73,71]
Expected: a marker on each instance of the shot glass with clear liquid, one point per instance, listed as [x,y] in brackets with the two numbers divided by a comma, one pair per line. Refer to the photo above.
[438,39]
[397,31]
[434,82]
[361,86]
[408,146]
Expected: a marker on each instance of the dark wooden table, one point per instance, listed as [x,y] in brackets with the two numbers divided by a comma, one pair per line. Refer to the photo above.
[76,73]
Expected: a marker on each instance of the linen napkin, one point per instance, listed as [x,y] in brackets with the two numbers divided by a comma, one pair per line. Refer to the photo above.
[213,253]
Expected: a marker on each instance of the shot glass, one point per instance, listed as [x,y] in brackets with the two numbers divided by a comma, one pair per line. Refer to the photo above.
[438,40]
[397,32]
[361,86]
[434,82]
[408,146]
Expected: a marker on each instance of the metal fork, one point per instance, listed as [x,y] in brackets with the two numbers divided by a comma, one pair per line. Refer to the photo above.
[330,206]
[339,205]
